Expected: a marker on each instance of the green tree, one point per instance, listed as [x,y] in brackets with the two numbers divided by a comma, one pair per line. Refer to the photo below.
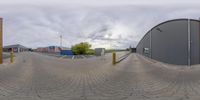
[81,48]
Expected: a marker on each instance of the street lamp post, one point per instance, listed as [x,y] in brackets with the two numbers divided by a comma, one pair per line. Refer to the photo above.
[60,40]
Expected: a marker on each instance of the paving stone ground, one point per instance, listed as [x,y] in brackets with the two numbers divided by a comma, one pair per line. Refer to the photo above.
[39,77]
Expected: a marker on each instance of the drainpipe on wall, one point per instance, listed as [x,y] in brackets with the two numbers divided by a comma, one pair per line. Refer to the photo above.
[189,43]
[1,40]
[151,44]
[199,40]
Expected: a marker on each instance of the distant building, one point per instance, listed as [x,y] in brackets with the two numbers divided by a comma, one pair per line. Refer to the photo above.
[64,48]
[133,50]
[51,49]
[66,52]
[99,51]
[16,48]
[42,49]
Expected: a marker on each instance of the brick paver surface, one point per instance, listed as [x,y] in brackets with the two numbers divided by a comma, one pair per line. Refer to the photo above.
[38,77]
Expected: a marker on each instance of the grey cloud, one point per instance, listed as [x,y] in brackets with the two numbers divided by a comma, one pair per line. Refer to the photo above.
[116,26]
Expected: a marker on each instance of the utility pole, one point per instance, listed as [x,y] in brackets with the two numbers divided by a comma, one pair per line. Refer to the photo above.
[60,40]
[1,40]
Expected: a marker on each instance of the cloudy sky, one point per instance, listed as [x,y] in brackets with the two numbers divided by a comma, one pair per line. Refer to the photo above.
[103,23]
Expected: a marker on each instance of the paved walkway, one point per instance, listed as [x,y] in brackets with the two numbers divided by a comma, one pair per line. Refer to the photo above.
[39,77]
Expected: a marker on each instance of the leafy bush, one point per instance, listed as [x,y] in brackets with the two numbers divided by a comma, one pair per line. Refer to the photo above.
[90,52]
[81,48]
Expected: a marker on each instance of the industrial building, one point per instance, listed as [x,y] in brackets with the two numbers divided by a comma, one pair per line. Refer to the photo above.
[16,48]
[49,49]
[66,52]
[174,42]
[99,51]
[55,49]
[133,50]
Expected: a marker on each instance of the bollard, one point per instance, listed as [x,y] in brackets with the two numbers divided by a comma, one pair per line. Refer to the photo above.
[114,58]
[11,57]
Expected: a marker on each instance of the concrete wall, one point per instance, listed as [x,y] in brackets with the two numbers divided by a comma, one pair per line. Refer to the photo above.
[168,42]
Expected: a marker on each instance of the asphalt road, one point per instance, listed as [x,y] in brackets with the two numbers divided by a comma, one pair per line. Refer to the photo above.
[39,77]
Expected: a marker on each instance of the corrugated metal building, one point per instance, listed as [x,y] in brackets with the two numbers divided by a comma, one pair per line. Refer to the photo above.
[174,42]
[16,48]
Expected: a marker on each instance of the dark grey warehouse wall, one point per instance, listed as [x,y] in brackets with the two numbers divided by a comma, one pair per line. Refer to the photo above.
[195,51]
[168,42]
